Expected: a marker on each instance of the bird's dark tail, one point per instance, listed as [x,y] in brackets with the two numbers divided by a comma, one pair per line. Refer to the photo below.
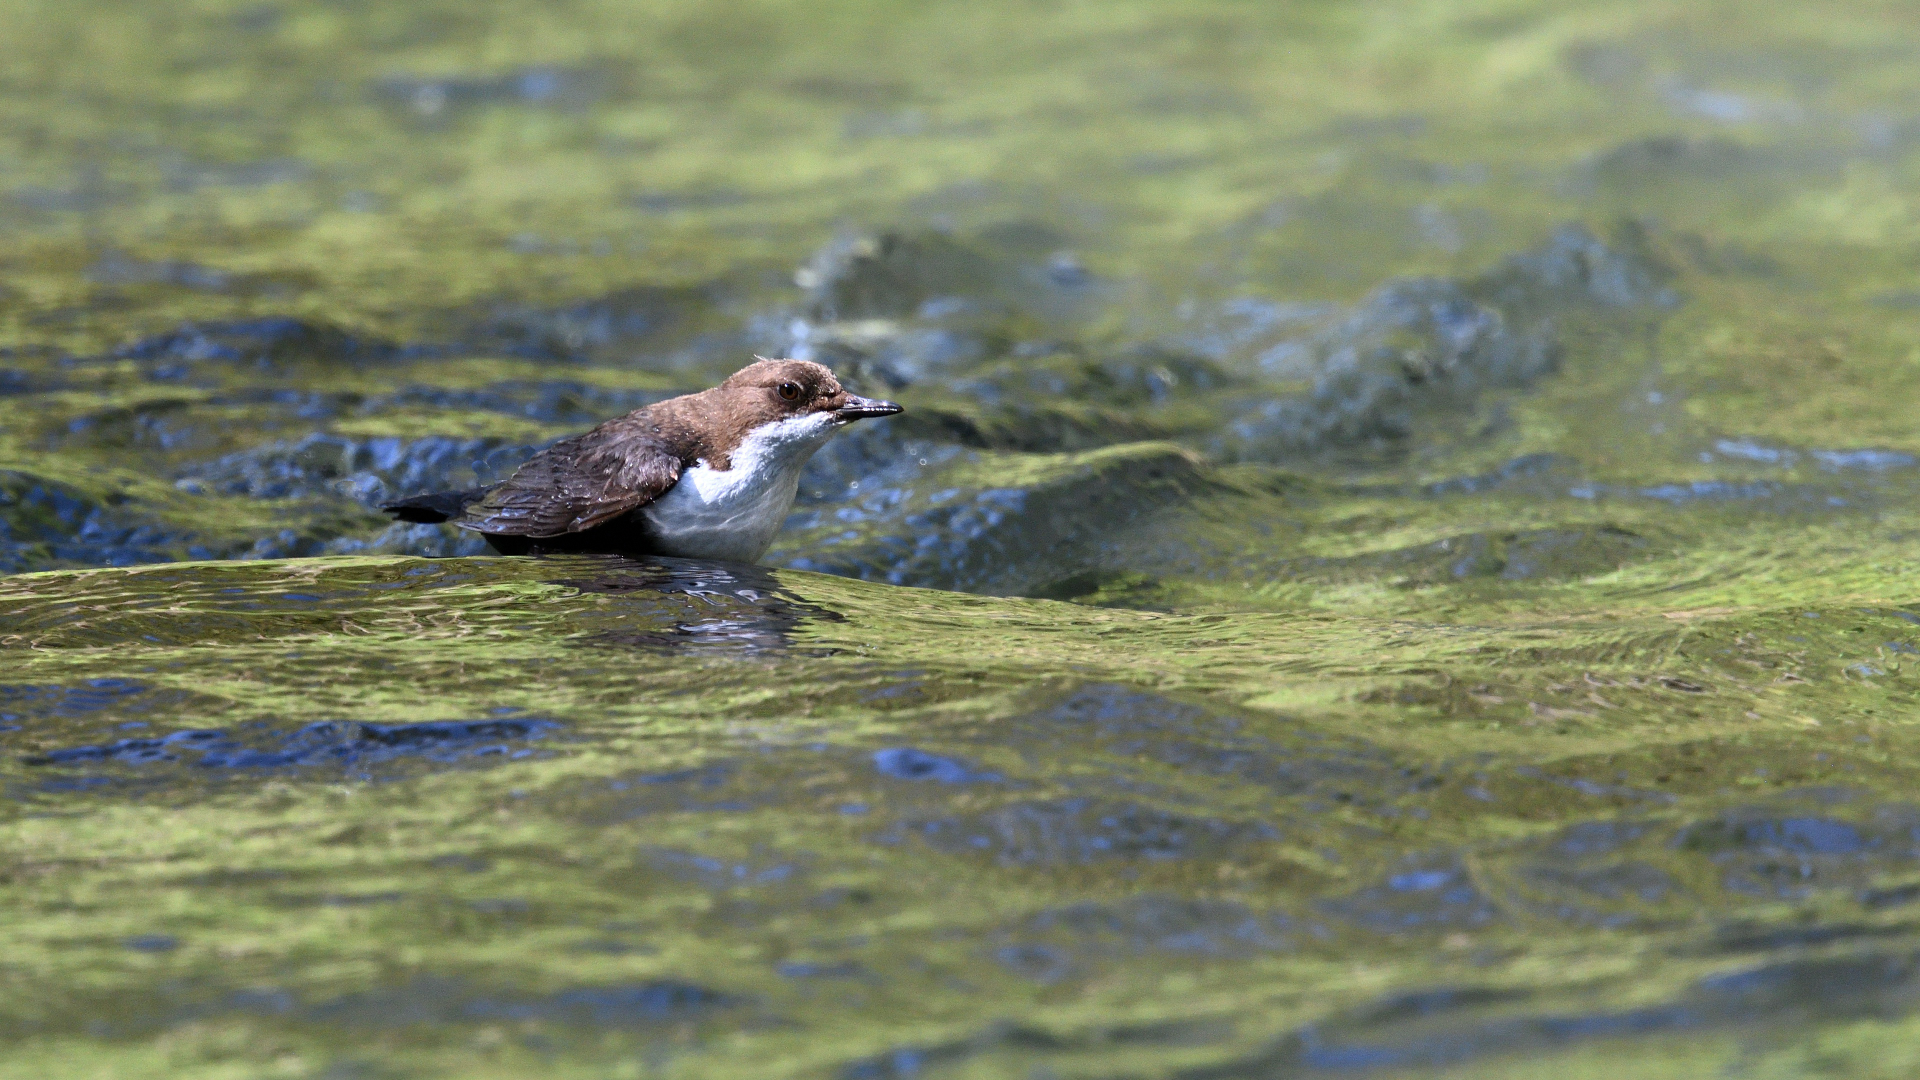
[435,508]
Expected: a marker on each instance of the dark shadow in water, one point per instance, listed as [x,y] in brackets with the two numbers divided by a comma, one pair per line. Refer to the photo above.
[682,605]
[907,763]
[267,344]
[437,1001]
[55,702]
[45,523]
[1130,728]
[913,1061]
[1422,895]
[1446,1026]
[1070,832]
[1074,940]
[336,747]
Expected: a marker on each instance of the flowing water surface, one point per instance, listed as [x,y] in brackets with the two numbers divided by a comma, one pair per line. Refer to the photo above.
[1398,560]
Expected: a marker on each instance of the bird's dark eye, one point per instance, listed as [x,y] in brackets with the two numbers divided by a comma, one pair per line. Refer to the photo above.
[790,391]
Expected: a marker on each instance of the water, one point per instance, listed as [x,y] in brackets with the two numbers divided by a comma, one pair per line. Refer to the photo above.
[1395,562]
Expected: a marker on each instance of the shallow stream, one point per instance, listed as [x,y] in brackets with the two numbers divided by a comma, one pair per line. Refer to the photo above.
[1397,561]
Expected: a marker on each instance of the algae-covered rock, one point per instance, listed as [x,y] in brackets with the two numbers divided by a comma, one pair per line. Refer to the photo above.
[938,320]
[954,325]
[262,344]
[893,274]
[367,470]
[45,524]
[1415,348]
[609,327]
[994,523]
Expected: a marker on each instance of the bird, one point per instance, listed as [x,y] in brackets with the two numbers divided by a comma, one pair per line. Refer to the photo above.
[710,475]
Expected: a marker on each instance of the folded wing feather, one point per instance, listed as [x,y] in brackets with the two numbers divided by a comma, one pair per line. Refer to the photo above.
[576,484]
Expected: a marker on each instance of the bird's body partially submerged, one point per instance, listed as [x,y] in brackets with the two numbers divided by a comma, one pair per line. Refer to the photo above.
[709,475]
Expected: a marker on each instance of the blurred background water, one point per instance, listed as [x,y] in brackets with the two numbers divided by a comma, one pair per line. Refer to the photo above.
[1421,494]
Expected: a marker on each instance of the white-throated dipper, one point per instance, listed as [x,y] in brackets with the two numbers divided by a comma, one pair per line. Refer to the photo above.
[704,476]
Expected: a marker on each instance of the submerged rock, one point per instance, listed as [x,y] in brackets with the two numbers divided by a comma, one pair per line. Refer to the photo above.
[1420,895]
[344,745]
[1428,346]
[606,327]
[261,343]
[549,401]
[1003,526]
[162,425]
[1411,346]
[891,353]
[44,524]
[1067,832]
[905,308]
[367,470]
[975,487]
[1411,350]
[929,312]
[1575,267]
[892,275]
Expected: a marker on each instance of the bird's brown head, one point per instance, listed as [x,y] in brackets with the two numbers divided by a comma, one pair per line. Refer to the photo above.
[782,389]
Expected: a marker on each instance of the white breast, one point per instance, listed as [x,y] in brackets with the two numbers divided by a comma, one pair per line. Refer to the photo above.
[734,514]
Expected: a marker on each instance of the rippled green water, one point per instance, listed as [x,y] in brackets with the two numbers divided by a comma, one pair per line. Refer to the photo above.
[1396,561]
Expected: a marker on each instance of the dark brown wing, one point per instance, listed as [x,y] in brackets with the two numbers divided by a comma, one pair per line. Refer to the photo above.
[576,484]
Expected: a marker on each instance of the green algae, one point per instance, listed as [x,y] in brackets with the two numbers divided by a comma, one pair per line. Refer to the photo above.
[1567,728]
[513,876]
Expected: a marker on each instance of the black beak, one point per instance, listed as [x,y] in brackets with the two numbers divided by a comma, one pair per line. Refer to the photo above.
[858,408]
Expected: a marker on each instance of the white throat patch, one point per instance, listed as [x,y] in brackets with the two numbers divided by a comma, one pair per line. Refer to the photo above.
[734,514]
